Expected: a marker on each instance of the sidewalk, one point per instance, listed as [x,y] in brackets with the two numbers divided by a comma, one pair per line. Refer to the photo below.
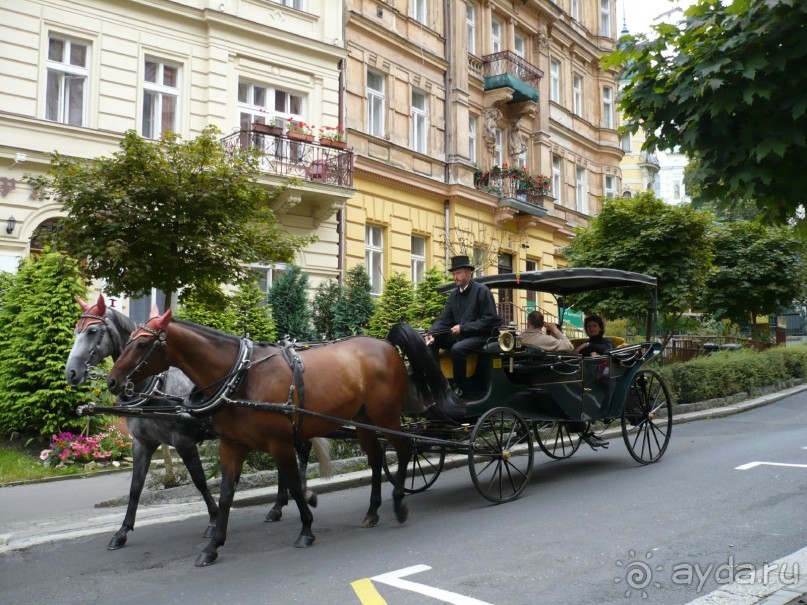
[63,510]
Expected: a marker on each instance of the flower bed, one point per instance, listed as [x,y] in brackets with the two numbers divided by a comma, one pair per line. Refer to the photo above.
[108,448]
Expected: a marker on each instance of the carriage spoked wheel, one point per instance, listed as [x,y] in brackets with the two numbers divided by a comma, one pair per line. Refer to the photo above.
[425,466]
[555,438]
[647,417]
[500,455]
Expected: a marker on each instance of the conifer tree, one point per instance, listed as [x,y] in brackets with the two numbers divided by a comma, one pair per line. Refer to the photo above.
[396,304]
[37,316]
[243,312]
[324,308]
[355,308]
[290,306]
[253,316]
[428,302]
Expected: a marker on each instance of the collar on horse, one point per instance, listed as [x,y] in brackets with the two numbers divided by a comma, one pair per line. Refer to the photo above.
[228,385]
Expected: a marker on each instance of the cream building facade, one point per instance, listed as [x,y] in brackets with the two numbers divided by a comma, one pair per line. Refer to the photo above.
[77,74]
[440,95]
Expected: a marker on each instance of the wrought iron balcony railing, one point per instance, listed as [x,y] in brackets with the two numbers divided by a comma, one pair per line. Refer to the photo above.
[508,63]
[514,187]
[286,157]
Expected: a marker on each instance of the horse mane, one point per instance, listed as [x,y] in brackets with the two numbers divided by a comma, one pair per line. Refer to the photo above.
[207,330]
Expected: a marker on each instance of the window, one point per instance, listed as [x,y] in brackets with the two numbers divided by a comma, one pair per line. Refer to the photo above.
[557,179]
[532,295]
[418,259]
[554,80]
[374,257]
[576,10]
[497,148]
[582,194]
[610,185]
[375,104]
[257,103]
[519,46]
[496,35]
[607,107]
[470,27]
[577,93]
[266,276]
[418,8]
[298,4]
[420,121]
[160,98]
[479,262]
[67,82]
[605,18]
[624,141]
[677,190]
[472,138]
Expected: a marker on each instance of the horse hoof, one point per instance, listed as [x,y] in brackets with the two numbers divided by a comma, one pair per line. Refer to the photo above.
[401,512]
[206,558]
[304,541]
[311,498]
[370,521]
[273,515]
[210,529]
[116,542]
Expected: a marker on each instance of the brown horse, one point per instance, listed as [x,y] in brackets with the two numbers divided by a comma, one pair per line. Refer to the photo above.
[358,379]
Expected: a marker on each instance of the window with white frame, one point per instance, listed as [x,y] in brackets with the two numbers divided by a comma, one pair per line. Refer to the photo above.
[418,259]
[472,120]
[495,35]
[607,107]
[418,10]
[263,104]
[160,98]
[267,275]
[374,257]
[554,80]
[677,190]
[298,4]
[582,193]
[420,121]
[557,179]
[605,18]
[470,27]
[498,146]
[68,72]
[576,10]
[519,45]
[376,86]
[479,262]
[577,94]
[624,142]
[610,185]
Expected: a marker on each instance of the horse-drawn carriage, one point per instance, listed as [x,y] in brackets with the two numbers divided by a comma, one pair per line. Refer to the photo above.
[265,397]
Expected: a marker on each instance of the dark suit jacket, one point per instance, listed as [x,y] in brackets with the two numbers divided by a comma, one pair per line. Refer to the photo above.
[474,310]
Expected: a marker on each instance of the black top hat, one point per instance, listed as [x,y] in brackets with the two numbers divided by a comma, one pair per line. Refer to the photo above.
[460,262]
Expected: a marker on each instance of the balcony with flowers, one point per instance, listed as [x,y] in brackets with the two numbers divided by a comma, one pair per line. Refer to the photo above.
[289,149]
[518,190]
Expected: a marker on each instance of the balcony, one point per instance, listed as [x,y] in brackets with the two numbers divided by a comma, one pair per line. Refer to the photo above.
[519,193]
[326,172]
[507,70]
[284,157]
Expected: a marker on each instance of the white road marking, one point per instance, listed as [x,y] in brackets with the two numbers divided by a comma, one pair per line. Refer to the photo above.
[745,467]
[393,578]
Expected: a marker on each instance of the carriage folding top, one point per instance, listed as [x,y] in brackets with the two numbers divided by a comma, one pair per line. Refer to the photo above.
[562,282]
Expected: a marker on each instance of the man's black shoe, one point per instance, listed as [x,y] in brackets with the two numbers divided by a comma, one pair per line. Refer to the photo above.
[593,441]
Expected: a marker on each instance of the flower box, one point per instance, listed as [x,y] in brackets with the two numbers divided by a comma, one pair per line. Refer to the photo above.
[266,129]
[333,143]
[299,136]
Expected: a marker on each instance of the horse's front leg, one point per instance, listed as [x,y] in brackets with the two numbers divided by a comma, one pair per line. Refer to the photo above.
[142,452]
[187,450]
[403,448]
[283,453]
[370,444]
[232,461]
[303,454]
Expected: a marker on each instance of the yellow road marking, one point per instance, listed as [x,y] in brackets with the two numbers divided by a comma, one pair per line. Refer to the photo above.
[367,593]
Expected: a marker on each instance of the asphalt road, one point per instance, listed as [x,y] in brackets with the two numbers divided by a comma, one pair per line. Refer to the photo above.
[581,533]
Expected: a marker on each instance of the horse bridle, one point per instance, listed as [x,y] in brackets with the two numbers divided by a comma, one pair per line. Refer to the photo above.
[159,342]
[102,332]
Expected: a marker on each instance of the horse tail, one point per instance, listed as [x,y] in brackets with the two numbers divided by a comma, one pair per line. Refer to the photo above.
[425,373]
[322,447]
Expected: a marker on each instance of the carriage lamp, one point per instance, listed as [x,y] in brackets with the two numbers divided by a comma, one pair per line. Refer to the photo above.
[10,224]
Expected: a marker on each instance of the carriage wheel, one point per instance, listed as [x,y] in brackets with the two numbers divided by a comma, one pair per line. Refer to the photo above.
[424,468]
[500,455]
[556,440]
[647,417]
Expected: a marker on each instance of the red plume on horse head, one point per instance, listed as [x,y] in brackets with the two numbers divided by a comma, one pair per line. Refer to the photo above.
[100,305]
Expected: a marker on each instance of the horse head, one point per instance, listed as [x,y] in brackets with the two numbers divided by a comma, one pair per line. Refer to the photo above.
[146,353]
[92,343]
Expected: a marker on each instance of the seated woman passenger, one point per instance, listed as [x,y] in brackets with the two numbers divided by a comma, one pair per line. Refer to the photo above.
[553,340]
[597,344]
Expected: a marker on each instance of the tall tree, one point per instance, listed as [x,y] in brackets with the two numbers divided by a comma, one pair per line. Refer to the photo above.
[396,304]
[167,214]
[355,308]
[757,271]
[37,315]
[645,235]
[323,308]
[428,302]
[725,86]
[289,303]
